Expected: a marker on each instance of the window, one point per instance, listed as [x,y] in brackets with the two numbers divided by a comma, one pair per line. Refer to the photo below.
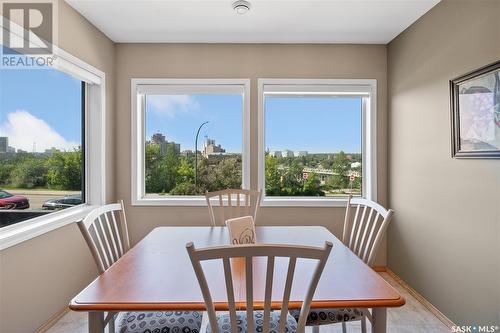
[190,136]
[65,163]
[42,141]
[317,140]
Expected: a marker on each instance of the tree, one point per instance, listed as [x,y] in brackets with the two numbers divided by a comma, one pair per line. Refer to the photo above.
[291,180]
[340,167]
[273,177]
[28,173]
[227,174]
[312,186]
[185,171]
[65,170]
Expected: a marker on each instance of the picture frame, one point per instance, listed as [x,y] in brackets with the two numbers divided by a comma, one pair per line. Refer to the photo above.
[475,113]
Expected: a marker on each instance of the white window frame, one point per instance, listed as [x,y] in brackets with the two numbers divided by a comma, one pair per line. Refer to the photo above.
[141,86]
[349,87]
[95,153]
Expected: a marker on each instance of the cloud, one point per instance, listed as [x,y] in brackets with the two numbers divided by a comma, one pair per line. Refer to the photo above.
[22,129]
[171,105]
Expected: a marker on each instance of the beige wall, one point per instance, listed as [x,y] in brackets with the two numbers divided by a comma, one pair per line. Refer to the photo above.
[40,276]
[444,240]
[251,61]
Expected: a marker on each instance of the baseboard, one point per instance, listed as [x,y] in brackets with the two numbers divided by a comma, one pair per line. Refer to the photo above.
[428,305]
[52,320]
[379,269]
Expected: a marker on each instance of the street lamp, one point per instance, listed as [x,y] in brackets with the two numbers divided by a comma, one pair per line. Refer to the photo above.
[196,156]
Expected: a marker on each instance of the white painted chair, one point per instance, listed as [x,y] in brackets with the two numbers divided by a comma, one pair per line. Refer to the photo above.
[265,321]
[363,233]
[232,203]
[106,233]
[365,224]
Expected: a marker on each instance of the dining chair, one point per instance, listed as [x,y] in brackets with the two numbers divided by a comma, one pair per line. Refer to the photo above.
[231,203]
[362,234]
[264,320]
[106,234]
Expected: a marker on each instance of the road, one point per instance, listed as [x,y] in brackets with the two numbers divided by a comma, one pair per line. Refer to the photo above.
[38,197]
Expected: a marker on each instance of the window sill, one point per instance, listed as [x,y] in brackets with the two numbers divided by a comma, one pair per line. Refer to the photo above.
[17,233]
[303,202]
[200,201]
[194,201]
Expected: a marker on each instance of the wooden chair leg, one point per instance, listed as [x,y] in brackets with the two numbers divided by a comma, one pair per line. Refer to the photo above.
[315,329]
[344,327]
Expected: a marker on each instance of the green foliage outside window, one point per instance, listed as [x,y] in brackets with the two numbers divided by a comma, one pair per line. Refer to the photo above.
[292,176]
[59,170]
[174,174]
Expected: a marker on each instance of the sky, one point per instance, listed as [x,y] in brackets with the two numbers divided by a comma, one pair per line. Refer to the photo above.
[317,125]
[313,124]
[41,106]
[44,106]
[179,116]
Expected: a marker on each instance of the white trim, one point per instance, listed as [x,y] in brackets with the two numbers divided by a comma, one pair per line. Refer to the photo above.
[303,202]
[14,234]
[95,154]
[141,86]
[365,88]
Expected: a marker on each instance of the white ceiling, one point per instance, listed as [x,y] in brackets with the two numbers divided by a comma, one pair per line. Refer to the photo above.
[269,21]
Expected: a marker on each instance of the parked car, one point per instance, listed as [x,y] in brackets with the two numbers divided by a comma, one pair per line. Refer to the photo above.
[61,203]
[11,201]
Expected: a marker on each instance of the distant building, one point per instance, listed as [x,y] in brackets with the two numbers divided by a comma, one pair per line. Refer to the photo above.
[160,140]
[176,147]
[276,153]
[11,150]
[187,153]
[287,153]
[300,153]
[20,151]
[4,144]
[211,148]
[51,151]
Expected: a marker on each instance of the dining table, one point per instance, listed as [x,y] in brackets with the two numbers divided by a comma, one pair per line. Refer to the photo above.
[157,275]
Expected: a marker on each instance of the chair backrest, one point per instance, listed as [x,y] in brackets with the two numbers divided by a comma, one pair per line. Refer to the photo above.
[106,233]
[232,203]
[248,252]
[363,233]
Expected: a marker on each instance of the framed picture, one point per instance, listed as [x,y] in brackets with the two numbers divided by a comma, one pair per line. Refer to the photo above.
[475,113]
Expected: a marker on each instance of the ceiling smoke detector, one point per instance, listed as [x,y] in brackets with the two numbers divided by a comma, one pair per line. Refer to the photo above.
[241,6]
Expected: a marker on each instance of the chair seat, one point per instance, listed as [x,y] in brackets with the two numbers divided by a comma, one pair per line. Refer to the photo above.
[318,317]
[159,322]
[241,321]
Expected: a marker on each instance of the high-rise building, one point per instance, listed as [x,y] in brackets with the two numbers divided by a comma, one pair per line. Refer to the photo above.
[160,140]
[4,144]
[211,148]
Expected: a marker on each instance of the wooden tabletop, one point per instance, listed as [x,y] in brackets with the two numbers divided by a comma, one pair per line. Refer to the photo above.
[156,274]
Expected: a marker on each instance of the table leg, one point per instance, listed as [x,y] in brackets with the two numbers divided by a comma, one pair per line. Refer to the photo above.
[96,322]
[379,320]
